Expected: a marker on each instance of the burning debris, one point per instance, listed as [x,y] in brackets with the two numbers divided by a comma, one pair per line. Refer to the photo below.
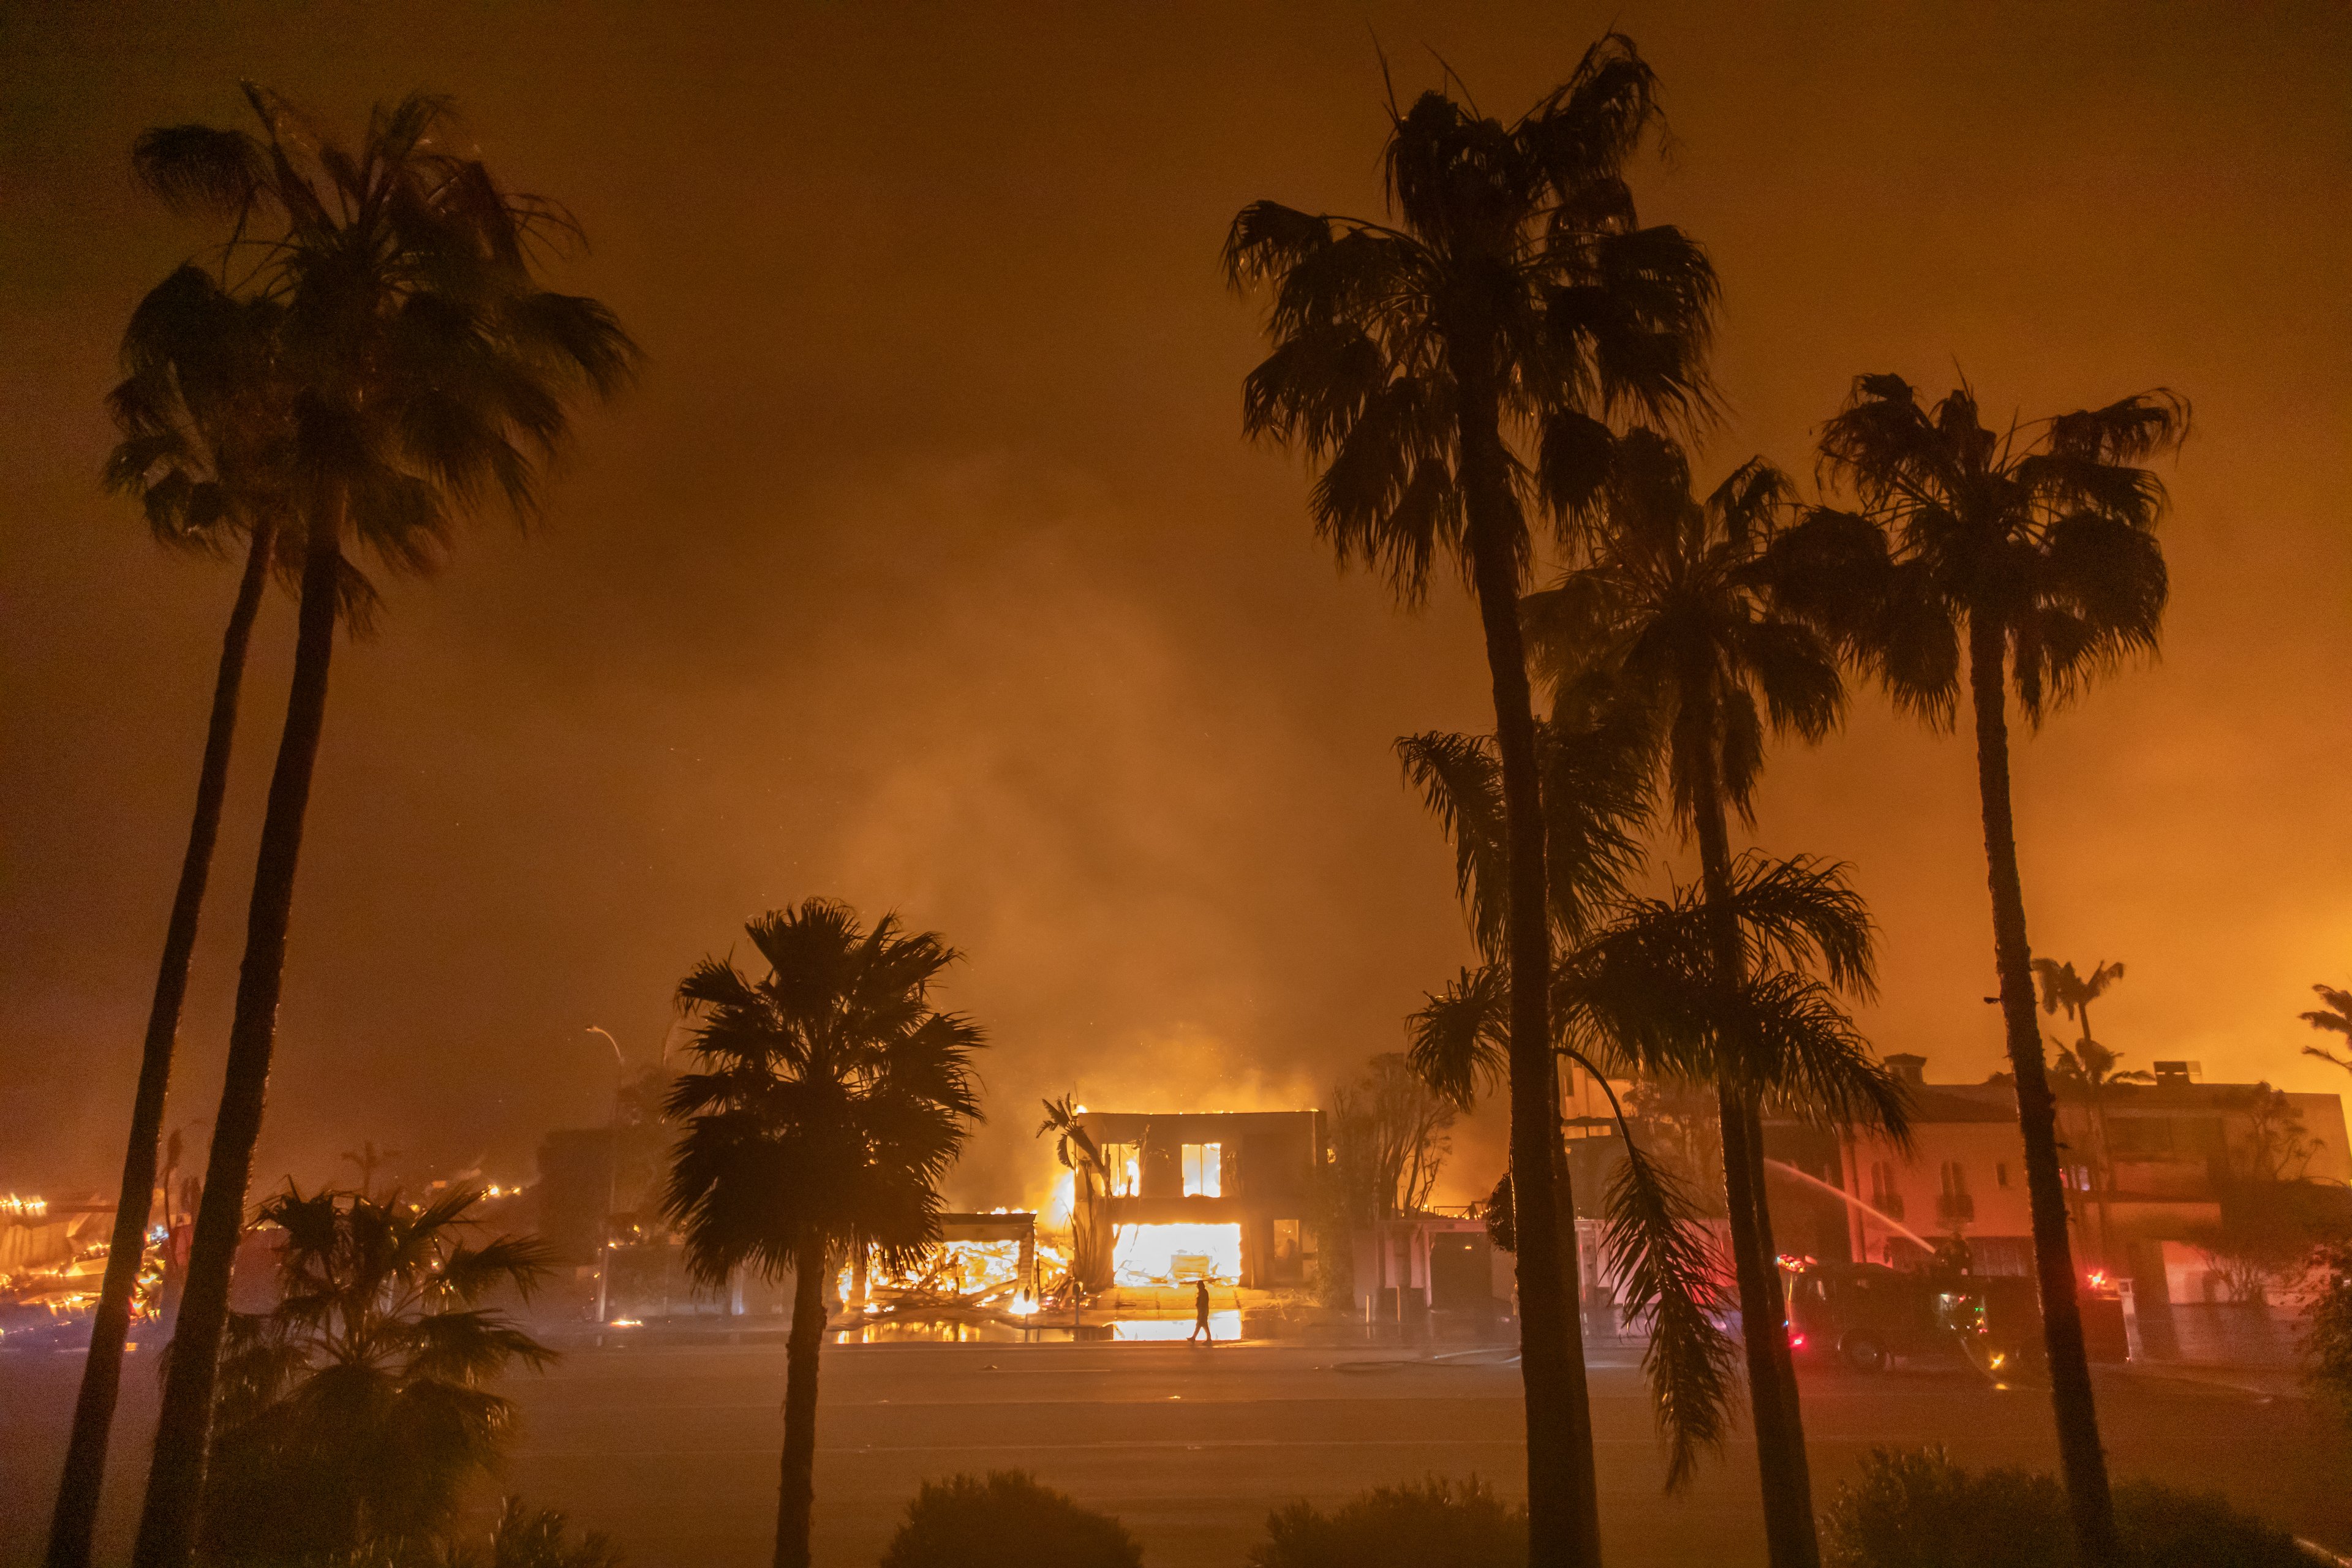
[985,1262]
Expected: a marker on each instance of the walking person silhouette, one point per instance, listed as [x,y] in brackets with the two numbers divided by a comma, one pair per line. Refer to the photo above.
[1199,1314]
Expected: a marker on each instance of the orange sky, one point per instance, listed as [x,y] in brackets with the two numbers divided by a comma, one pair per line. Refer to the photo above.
[928,567]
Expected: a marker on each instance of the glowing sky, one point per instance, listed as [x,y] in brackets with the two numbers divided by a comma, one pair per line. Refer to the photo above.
[928,568]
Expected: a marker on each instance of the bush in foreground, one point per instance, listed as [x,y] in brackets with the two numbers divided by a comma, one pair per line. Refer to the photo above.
[1437,1524]
[1008,1520]
[1916,1509]
[533,1538]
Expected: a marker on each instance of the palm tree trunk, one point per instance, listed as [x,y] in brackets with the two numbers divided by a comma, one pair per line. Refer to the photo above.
[1783,1471]
[796,1485]
[2081,1460]
[1793,1463]
[76,1515]
[2104,1167]
[167,1523]
[1563,1490]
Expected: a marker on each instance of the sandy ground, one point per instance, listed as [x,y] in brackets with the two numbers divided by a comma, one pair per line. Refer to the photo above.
[672,1451]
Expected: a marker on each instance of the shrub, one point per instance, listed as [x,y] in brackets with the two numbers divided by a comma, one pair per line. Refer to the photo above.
[2327,1329]
[2162,1528]
[528,1538]
[1437,1524]
[1008,1520]
[1916,1509]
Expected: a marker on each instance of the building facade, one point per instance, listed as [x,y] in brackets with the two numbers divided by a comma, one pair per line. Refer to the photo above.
[2147,1166]
[1227,1196]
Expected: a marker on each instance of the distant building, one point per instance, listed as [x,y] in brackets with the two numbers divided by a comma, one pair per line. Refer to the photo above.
[2171,1148]
[1220,1195]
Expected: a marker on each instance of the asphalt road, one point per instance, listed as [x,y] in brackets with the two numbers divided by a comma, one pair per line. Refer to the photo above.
[672,1451]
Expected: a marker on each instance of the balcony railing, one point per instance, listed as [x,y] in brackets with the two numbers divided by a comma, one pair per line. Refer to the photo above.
[1955,1208]
[1888,1204]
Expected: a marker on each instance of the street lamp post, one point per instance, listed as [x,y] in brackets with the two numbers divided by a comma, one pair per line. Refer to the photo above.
[611,1180]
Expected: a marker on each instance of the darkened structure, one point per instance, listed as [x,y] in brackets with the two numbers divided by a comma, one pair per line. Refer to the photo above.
[1251,1169]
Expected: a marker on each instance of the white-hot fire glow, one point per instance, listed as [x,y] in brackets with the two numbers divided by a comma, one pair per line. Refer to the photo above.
[1178,1254]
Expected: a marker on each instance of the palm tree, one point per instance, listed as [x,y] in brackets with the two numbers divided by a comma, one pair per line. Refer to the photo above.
[2032,552]
[2065,991]
[1093,1240]
[1634,998]
[429,372]
[204,423]
[1637,997]
[830,1098]
[1443,369]
[2335,1018]
[2086,1068]
[353,1412]
[1674,605]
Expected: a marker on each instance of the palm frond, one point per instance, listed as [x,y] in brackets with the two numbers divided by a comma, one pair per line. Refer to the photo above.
[1459,1038]
[1814,1062]
[1658,1247]
[1460,779]
[196,168]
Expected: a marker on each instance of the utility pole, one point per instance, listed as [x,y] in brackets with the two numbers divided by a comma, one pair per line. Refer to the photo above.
[611,1180]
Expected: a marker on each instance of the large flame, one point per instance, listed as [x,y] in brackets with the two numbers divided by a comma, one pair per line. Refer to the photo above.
[1178,1254]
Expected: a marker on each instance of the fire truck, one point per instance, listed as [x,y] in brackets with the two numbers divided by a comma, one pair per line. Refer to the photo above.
[1867,1315]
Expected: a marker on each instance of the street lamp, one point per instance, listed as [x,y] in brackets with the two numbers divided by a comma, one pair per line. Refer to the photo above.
[611,1178]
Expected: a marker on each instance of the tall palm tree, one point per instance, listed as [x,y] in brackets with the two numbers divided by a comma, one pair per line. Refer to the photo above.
[1443,370]
[1675,604]
[830,1098]
[2021,562]
[2087,1069]
[203,422]
[353,1412]
[2333,1017]
[429,372]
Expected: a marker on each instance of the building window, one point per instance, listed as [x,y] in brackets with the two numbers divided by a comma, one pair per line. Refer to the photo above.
[1122,1169]
[1883,1196]
[1955,1206]
[1202,1172]
[2000,1174]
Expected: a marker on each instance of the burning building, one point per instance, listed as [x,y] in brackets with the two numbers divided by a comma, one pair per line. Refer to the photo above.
[1161,1198]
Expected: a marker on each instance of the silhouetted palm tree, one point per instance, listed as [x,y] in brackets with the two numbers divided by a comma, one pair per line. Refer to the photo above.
[205,424]
[2065,991]
[429,371]
[1093,1240]
[831,1097]
[353,1412]
[1674,605]
[1443,370]
[2335,1018]
[1637,997]
[2021,562]
[2086,1068]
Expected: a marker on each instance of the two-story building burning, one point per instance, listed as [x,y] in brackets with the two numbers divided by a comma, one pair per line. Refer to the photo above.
[1227,1196]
